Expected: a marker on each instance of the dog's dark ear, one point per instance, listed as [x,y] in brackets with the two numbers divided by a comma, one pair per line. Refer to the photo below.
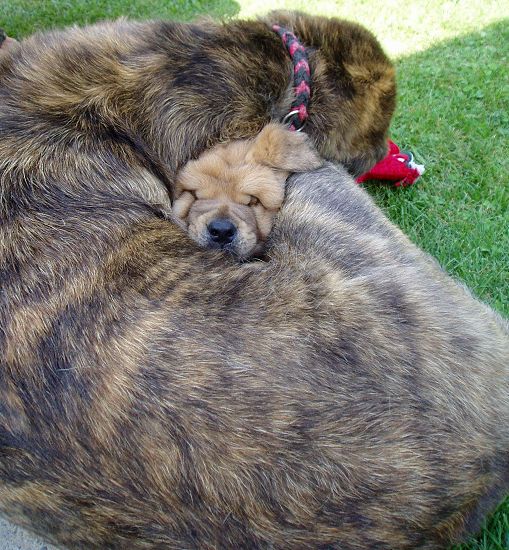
[277,147]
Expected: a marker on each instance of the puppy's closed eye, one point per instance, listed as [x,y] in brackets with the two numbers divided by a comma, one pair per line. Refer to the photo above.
[183,203]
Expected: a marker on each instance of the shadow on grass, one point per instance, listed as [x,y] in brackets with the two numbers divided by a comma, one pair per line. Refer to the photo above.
[20,18]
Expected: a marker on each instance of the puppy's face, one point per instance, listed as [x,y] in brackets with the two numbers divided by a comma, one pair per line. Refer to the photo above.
[229,196]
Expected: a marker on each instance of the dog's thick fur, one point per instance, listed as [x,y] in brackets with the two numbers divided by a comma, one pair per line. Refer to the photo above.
[164,91]
[243,183]
[344,394]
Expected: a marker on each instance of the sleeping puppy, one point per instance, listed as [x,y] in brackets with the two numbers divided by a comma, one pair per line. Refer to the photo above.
[228,197]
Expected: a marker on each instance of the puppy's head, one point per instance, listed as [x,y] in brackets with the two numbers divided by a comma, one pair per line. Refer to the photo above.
[228,197]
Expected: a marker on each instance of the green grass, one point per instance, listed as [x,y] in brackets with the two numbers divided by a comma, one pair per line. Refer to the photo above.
[453,112]
[23,17]
[494,535]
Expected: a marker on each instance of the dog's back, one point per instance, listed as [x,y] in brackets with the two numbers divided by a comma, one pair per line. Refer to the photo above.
[344,394]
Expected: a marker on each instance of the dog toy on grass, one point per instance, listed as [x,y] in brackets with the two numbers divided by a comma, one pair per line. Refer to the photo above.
[397,167]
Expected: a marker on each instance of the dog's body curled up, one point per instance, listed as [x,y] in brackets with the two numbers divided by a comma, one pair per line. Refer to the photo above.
[343,394]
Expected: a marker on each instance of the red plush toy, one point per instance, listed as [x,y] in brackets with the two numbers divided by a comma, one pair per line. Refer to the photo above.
[397,167]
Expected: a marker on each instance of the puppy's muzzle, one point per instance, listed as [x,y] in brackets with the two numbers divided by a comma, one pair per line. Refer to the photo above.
[221,232]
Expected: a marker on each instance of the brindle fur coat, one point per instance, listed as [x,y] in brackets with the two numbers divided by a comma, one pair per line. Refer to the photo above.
[344,394]
[163,91]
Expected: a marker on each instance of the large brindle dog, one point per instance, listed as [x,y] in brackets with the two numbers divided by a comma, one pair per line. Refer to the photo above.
[343,394]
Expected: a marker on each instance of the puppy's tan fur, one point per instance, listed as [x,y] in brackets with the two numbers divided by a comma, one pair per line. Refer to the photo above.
[244,182]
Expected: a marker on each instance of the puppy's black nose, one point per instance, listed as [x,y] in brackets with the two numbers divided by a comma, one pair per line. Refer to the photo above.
[222,231]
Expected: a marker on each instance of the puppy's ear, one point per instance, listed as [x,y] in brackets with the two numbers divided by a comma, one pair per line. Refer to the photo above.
[277,147]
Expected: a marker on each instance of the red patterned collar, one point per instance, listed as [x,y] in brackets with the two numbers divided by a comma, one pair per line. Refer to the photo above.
[301,79]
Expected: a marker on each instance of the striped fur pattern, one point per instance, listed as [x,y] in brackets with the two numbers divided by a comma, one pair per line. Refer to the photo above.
[166,91]
[343,394]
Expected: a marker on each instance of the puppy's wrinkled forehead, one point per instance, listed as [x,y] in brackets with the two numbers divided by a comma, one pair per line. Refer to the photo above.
[228,173]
